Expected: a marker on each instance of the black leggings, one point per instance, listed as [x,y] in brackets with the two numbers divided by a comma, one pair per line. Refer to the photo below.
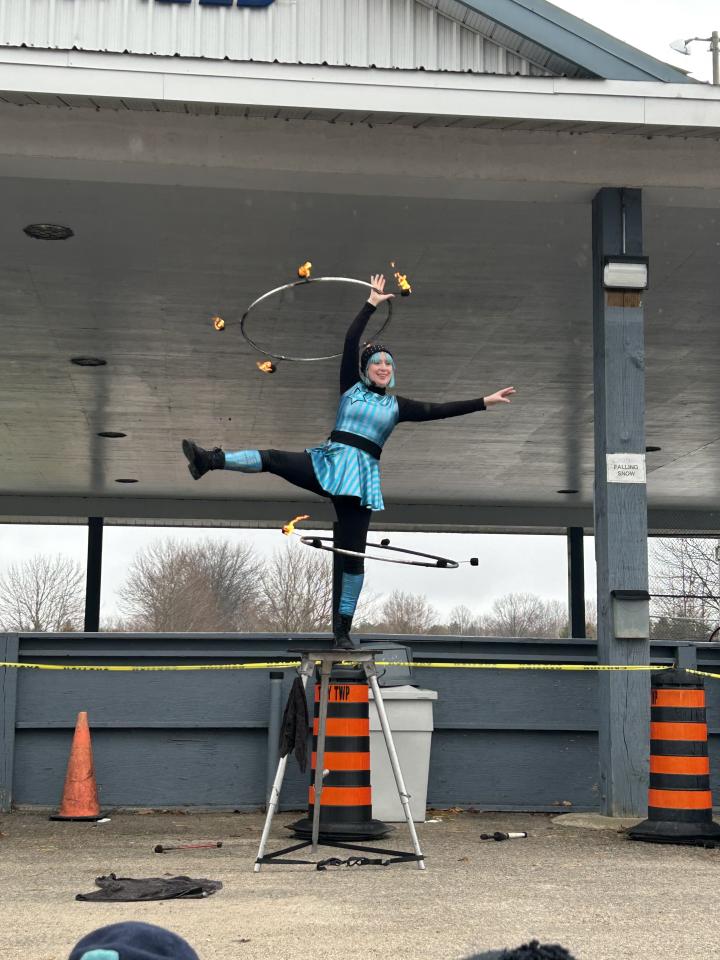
[353,518]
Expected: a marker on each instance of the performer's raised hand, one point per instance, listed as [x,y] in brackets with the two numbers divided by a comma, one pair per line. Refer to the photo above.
[502,396]
[377,294]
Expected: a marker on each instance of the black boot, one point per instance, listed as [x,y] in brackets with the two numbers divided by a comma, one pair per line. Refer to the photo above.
[200,461]
[341,632]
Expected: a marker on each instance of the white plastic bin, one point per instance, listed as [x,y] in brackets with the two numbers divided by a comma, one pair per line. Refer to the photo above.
[410,712]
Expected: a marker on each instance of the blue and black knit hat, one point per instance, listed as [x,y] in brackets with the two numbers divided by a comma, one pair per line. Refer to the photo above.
[132,941]
[370,354]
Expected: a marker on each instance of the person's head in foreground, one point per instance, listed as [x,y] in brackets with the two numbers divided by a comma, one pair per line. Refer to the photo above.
[528,951]
[132,941]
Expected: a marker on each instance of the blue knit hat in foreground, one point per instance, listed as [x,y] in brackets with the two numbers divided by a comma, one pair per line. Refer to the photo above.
[133,941]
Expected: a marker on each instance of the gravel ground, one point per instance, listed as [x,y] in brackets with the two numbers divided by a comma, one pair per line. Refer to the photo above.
[601,895]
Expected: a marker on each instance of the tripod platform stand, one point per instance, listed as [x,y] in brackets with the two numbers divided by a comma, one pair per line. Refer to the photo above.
[365,658]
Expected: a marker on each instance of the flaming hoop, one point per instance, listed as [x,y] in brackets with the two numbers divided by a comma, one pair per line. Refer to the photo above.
[304,283]
[323,543]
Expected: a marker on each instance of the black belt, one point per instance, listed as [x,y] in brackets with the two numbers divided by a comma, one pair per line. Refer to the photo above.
[355,440]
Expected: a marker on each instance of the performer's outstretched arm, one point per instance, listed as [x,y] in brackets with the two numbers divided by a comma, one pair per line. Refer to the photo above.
[415,411]
[349,363]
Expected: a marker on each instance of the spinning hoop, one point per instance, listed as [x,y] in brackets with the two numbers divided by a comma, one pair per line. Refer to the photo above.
[441,562]
[303,283]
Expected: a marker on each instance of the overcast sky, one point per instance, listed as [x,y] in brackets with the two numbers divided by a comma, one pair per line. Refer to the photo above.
[507,563]
[651,25]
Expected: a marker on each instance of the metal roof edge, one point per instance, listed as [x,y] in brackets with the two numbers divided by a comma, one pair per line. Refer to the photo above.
[576,40]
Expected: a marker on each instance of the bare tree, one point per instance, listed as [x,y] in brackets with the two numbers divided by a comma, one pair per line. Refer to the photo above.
[686,573]
[180,586]
[44,593]
[526,615]
[591,618]
[296,591]
[462,621]
[407,613]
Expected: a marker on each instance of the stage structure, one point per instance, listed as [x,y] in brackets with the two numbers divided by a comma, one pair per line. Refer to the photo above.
[550,191]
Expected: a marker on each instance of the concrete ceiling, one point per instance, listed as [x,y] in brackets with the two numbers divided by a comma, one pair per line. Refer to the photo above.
[502,295]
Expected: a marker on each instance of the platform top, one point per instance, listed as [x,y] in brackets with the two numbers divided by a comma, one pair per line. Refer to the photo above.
[367,652]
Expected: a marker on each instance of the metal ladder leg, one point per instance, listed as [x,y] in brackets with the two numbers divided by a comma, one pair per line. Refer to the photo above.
[307,668]
[371,674]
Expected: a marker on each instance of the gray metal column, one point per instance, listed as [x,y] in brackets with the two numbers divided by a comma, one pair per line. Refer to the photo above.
[620,508]
[576,581]
[94,574]
[9,653]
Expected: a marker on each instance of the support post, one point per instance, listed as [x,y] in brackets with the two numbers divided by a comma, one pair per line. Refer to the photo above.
[576,582]
[94,574]
[9,653]
[620,509]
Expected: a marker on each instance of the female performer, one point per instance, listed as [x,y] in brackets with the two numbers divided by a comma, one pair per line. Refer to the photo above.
[346,467]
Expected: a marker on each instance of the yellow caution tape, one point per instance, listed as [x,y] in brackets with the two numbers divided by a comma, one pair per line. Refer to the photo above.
[525,666]
[286,664]
[139,669]
[702,673]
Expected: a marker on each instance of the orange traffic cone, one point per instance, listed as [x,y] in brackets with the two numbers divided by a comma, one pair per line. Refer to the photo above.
[80,799]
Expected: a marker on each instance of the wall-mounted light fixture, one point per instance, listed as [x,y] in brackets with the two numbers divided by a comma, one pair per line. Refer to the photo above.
[624,272]
[683,46]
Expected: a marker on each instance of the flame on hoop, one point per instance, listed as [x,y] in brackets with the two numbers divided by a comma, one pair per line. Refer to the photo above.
[289,528]
[304,270]
[218,323]
[402,282]
[265,366]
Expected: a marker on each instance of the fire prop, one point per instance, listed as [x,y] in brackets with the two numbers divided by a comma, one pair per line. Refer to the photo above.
[428,559]
[304,284]
[305,270]
[266,366]
[289,528]
[402,282]
[218,323]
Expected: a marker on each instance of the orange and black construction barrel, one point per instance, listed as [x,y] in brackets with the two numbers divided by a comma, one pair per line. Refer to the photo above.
[346,801]
[679,796]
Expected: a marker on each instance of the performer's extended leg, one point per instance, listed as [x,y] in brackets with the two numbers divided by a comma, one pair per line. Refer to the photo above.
[352,529]
[296,468]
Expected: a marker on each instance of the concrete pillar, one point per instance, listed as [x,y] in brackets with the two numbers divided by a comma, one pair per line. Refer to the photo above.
[620,510]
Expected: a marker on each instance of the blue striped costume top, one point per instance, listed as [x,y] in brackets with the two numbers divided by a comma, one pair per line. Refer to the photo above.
[369,412]
[345,471]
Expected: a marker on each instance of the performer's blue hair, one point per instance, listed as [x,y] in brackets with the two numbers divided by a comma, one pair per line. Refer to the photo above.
[375,358]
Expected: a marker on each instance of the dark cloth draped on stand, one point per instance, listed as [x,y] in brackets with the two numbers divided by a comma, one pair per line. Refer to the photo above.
[295,726]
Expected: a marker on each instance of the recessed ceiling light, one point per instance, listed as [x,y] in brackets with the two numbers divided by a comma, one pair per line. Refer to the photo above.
[48,231]
[111,434]
[653,449]
[125,480]
[88,361]
[567,491]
